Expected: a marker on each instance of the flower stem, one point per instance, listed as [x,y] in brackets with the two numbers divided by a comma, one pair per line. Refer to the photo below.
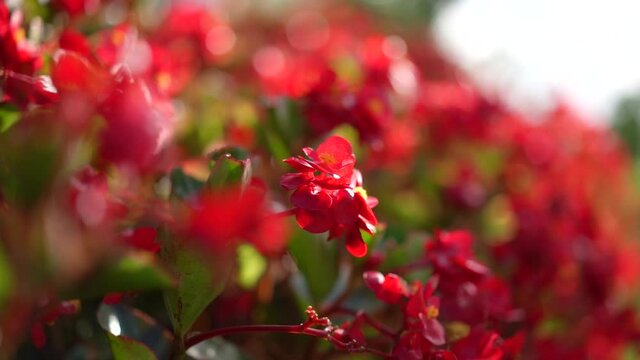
[302,329]
[289,329]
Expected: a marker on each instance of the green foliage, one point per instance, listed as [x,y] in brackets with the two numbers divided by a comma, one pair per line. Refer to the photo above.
[27,169]
[228,170]
[132,334]
[5,279]
[184,186]
[626,123]
[215,349]
[199,282]
[9,115]
[317,261]
[251,266]
[124,348]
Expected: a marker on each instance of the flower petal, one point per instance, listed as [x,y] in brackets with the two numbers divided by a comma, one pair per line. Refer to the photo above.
[355,245]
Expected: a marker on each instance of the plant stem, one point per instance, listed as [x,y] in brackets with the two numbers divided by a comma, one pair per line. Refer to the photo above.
[381,328]
[302,329]
[289,329]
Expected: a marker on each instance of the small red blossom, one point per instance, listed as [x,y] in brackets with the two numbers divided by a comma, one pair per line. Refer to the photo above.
[451,255]
[328,194]
[480,344]
[389,288]
[112,298]
[64,308]
[19,59]
[142,238]
[421,313]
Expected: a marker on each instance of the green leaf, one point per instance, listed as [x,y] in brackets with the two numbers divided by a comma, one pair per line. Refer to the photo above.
[316,258]
[9,115]
[131,273]
[215,349]
[27,169]
[236,152]
[133,334]
[251,266]
[6,280]
[124,348]
[184,186]
[227,170]
[200,281]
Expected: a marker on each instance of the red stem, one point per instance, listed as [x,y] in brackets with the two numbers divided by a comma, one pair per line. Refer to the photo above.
[381,328]
[289,329]
[303,329]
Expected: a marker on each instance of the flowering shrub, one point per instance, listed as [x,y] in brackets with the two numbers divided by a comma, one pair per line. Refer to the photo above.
[168,172]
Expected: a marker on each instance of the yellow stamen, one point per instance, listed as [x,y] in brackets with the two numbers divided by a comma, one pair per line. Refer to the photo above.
[118,37]
[432,312]
[376,106]
[164,80]
[19,35]
[327,158]
[360,190]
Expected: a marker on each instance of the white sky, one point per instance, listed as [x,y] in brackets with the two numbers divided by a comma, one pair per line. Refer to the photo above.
[586,51]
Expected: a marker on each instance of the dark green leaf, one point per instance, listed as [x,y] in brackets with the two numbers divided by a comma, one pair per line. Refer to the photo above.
[227,170]
[133,334]
[199,282]
[316,260]
[184,186]
[236,152]
[26,170]
[5,279]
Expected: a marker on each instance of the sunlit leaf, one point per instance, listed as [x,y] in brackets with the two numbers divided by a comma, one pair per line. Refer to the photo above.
[123,348]
[9,115]
[227,170]
[251,266]
[133,334]
[215,349]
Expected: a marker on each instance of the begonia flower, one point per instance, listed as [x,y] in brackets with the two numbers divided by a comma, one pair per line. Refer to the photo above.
[328,194]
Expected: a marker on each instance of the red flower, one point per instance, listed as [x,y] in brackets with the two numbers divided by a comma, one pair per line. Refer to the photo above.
[480,344]
[64,308]
[422,311]
[451,255]
[137,124]
[328,194]
[220,220]
[19,59]
[389,288]
[142,238]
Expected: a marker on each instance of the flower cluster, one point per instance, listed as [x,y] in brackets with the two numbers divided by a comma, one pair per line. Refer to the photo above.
[469,296]
[328,194]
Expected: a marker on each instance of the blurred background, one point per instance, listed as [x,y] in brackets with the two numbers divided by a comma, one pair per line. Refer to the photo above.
[485,115]
[534,51]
